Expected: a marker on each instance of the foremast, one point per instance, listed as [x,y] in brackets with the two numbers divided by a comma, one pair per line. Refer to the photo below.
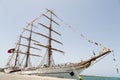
[14,60]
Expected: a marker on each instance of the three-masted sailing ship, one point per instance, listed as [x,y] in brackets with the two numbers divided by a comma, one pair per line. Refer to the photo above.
[26,56]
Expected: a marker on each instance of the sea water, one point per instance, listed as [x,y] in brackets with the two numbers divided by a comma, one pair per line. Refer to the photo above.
[99,78]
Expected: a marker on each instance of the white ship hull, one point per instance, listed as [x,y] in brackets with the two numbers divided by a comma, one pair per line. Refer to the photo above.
[58,71]
[61,72]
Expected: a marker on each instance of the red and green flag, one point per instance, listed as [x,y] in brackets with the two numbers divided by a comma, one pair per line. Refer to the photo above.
[11,50]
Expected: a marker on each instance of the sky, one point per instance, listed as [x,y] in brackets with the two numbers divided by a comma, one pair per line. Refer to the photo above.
[98,20]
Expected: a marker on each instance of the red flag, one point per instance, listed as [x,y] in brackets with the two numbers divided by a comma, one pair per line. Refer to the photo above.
[11,50]
[35,19]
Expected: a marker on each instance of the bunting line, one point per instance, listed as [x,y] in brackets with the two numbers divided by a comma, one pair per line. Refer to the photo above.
[74,30]
[32,22]
[114,59]
[95,43]
[66,24]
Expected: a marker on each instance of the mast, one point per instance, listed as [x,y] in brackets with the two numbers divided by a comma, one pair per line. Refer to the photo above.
[28,51]
[49,41]
[17,53]
[50,29]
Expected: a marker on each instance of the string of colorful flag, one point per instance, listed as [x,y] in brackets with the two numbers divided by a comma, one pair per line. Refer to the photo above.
[32,22]
[95,43]
[90,41]
[74,30]
[114,59]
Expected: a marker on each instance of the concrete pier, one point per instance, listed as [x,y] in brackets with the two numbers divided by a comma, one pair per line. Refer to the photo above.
[5,76]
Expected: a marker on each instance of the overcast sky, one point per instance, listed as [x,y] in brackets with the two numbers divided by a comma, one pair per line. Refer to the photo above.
[98,20]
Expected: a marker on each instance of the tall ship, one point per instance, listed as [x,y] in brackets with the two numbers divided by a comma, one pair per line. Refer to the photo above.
[35,49]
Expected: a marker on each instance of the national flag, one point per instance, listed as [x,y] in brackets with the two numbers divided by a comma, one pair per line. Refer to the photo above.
[11,50]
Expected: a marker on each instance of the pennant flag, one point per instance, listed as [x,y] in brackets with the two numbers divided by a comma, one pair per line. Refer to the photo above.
[114,59]
[93,53]
[11,50]
[96,43]
[117,70]
[82,36]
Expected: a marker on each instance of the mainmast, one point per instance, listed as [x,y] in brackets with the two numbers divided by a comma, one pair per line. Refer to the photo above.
[50,29]
[49,41]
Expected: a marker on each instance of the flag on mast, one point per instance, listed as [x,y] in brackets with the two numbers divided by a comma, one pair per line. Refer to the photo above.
[11,50]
